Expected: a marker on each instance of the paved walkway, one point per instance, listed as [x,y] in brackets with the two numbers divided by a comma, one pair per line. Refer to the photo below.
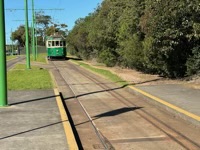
[32,122]
[179,99]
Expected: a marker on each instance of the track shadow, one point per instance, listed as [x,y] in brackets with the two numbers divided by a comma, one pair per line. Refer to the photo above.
[107,90]
[57,59]
[120,81]
[111,113]
[80,146]
[95,92]
[31,130]
[73,58]
[33,100]
[64,58]
[117,112]
[148,81]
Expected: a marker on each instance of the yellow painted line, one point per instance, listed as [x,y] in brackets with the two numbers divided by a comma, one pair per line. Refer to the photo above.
[5,107]
[167,104]
[53,79]
[67,127]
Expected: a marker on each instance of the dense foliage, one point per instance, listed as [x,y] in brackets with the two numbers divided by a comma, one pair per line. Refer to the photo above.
[154,36]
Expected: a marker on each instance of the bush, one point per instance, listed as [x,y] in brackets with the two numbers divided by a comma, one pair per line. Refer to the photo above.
[193,63]
[132,53]
[108,57]
[149,57]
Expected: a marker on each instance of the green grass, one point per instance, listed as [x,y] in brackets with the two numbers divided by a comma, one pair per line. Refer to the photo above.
[41,58]
[20,78]
[10,57]
[107,74]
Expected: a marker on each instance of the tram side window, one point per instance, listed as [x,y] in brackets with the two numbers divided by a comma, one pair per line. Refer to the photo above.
[49,43]
[57,43]
[61,43]
[64,43]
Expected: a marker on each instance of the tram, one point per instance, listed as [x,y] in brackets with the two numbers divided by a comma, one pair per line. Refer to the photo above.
[56,47]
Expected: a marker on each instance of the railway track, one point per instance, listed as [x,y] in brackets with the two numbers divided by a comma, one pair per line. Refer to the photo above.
[171,133]
[103,142]
[12,62]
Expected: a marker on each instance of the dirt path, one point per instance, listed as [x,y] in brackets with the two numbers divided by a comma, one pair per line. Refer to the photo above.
[139,78]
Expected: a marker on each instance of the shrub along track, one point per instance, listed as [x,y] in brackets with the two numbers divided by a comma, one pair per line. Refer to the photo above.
[123,109]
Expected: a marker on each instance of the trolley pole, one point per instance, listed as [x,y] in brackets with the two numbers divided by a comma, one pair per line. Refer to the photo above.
[3,70]
[28,65]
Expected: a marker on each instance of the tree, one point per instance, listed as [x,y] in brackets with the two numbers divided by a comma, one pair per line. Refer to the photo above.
[46,27]
[170,24]
[42,22]
[155,36]
[78,38]
[19,35]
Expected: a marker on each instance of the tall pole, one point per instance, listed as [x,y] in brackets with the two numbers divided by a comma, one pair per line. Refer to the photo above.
[33,36]
[3,72]
[32,39]
[12,41]
[28,65]
[36,46]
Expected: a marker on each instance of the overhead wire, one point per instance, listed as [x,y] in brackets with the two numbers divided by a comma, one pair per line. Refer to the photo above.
[54,12]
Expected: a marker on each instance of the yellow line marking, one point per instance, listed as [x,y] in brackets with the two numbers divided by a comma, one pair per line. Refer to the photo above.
[167,104]
[5,107]
[67,127]
[53,79]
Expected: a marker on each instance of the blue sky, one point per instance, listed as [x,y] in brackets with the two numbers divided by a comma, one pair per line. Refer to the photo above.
[72,10]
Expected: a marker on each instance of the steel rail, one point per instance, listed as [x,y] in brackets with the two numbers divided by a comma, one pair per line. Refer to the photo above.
[98,133]
[12,62]
[122,99]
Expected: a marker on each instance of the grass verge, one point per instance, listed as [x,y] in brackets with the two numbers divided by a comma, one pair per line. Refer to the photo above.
[40,58]
[105,73]
[10,57]
[20,78]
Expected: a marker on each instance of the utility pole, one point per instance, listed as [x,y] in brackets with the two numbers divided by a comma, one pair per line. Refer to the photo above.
[28,65]
[33,35]
[3,70]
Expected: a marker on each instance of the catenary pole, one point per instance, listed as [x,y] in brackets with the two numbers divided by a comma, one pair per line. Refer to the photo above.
[12,42]
[36,46]
[33,35]
[28,65]
[3,72]
[32,39]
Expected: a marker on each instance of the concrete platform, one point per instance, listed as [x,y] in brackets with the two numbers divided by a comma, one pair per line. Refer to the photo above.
[178,99]
[32,121]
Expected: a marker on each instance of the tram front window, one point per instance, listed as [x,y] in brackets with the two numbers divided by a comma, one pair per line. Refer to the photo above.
[53,43]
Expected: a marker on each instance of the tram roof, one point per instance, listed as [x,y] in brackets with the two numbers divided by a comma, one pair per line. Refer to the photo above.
[55,37]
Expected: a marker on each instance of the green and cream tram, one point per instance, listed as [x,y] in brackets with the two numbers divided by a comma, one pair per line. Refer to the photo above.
[56,47]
